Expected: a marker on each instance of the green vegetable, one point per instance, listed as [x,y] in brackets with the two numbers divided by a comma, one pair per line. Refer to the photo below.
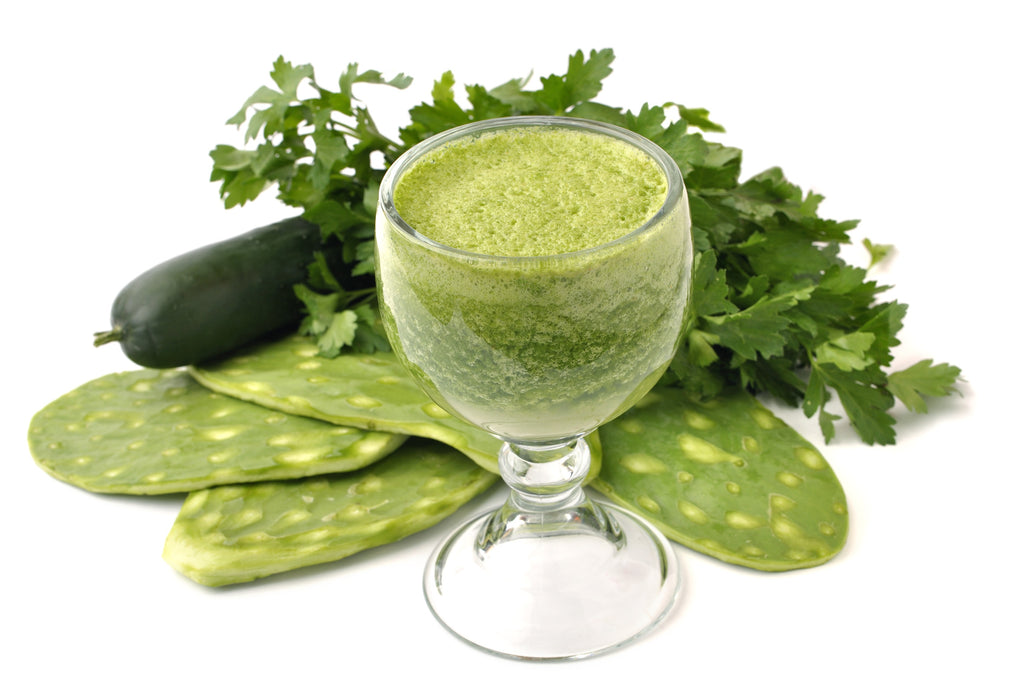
[157,432]
[233,534]
[365,391]
[877,251]
[215,299]
[727,478]
[778,310]
[369,391]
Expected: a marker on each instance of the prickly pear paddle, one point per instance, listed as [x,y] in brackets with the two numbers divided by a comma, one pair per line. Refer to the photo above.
[726,478]
[370,391]
[155,432]
[233,534]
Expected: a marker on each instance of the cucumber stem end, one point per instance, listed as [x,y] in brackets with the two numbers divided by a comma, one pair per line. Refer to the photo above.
[113,335]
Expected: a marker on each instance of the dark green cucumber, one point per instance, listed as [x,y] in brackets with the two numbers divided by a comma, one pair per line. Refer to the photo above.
[215,299]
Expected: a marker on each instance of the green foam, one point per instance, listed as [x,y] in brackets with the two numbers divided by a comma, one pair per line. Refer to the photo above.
[501,191]
[156,432]
[726,478]
[234,534]
[367,391]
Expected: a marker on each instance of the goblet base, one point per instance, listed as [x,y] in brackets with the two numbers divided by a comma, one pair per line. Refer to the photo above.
[565,593]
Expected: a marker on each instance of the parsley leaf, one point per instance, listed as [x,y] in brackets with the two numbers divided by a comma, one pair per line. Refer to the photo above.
[339,333]
[861,394]
[925,378]
[877,251]
[581,82]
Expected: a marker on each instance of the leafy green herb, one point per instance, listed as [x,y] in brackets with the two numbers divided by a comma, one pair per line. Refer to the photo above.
[922,379]
[777,310]
[877,251]
[318,147]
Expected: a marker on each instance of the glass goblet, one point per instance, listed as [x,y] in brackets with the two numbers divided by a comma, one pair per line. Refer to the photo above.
[540,350]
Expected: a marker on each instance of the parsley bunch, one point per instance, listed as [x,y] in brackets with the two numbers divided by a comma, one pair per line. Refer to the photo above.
[777,310]
[319,148]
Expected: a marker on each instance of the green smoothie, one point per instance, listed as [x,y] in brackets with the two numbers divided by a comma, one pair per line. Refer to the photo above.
[531,191]
[551,287]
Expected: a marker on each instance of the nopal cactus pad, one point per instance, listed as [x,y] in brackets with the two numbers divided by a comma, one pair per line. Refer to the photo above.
[234,534]
[155,432]
[371,391]
[726,478]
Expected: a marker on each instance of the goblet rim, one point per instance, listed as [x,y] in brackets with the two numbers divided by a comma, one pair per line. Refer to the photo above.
[673,177]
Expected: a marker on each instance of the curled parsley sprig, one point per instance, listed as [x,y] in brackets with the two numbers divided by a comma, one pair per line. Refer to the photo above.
[777,310]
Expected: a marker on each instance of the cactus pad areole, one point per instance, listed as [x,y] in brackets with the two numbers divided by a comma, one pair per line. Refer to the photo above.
[233,534]
[155,432]
[726,478]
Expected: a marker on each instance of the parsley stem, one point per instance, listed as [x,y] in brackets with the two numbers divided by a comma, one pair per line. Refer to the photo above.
[376,138]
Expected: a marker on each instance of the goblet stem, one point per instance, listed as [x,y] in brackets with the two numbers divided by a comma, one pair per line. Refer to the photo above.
[546,497]
[544,476]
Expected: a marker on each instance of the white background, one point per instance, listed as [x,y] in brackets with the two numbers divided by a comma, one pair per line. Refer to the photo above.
[906,116]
